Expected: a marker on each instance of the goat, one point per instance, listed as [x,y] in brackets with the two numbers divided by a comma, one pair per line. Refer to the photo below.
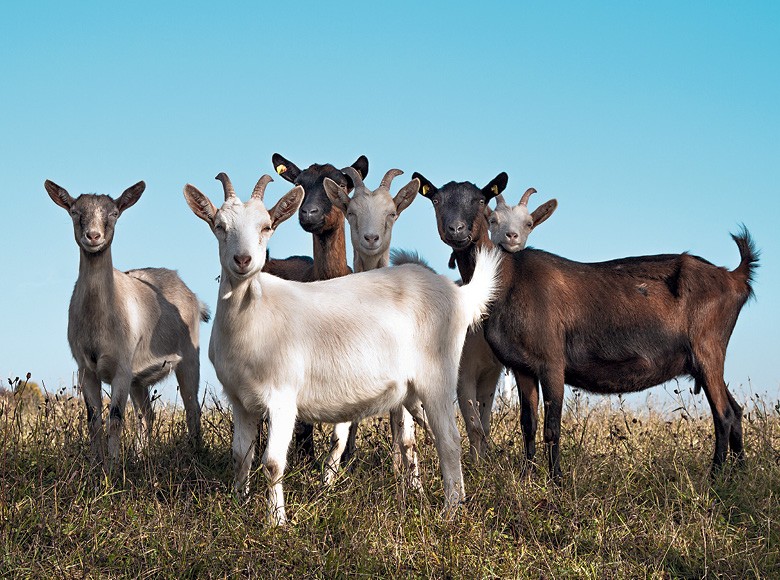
[319,217]
[509,226]
[371,216]
[460,210]
[376,340]
[613,327]
[128,329]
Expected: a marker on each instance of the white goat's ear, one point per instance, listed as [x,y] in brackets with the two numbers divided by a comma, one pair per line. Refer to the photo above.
[405,197]
[337,195]
[129,196]
[286,206]
[544,211]
[200,204]
[58,195]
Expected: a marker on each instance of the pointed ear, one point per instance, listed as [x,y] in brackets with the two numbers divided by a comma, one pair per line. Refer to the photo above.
[286,206]
[287,169]
[405,197]
[544,211]
[496,186]
[337,194]
[361,166]
[200,204]
[427,189]
[129,196]
[58,195]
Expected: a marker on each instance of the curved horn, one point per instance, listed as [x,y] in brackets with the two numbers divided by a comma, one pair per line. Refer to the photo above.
[526,195]
[259,191]
[500,201]
[226,185]
[389,176]
[355,176]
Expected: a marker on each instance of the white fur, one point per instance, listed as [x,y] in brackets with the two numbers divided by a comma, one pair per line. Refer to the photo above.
[336,350]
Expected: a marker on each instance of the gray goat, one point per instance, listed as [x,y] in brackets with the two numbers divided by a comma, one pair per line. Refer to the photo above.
[128,329]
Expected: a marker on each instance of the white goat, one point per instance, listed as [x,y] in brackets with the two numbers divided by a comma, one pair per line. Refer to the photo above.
[510,226]
[371,216]
[129,329]
[331,351]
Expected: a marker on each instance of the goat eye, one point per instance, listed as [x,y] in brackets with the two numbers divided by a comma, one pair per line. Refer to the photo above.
[435,201]
[219,228]
[114,214]
[393,216]
[266,229]
[529,224]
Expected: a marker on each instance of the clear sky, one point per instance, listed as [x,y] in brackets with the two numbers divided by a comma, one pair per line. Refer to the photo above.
[656,125]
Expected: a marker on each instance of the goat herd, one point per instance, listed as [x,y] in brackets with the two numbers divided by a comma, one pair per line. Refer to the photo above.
[297,339]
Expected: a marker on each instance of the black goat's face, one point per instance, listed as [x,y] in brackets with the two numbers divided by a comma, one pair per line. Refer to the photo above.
[460,208]
[317,214]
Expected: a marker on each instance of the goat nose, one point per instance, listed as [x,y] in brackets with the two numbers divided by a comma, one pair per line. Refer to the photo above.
[93,236]
[457,227]
[309,212]
[371,238]
[512,236]
[242,261]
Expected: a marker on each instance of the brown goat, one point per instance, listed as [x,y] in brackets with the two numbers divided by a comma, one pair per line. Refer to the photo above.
[610,327]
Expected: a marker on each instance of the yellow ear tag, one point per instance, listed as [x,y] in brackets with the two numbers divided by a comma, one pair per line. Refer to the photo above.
[281,168]
[494,189]
[425,189]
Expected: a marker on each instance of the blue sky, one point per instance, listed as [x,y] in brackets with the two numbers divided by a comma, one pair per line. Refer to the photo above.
[655,125]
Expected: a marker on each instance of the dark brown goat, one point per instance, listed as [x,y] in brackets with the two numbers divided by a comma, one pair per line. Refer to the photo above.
[325,222]
[615,327]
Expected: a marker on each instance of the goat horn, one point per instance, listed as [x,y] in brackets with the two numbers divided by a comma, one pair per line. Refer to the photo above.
[355,176]
[227,186]
[526,195]
[389,176]
[259,191]
[500,201]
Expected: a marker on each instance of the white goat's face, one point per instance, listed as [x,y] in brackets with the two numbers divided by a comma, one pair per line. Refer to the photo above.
[243,229]
[94,216]
[509,226]
[371,214]
[371,218]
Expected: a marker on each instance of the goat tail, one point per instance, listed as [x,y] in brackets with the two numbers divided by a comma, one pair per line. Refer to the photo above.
[205,313]
[477,295]
[749,255]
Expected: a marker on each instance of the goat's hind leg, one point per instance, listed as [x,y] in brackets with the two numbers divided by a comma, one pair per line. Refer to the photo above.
[338,443]
[735,437]
[528,389]
[188,376]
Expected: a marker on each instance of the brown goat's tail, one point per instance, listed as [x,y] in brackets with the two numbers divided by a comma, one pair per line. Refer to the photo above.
[203,310]
[749,258]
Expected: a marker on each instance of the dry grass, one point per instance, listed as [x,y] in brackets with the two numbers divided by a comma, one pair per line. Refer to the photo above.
[636,502]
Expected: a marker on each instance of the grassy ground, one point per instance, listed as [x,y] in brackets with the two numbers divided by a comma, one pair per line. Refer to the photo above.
[636,502]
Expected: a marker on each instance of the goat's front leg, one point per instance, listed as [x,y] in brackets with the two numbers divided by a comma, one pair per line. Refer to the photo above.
[90,389]
[244,433]
[552,391]
[528,389]
[120,391]
[281,424]
[144,414]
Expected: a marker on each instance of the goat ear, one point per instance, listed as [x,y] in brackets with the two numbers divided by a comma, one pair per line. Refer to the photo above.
[405,197]
[544,211]
[496,186]
[58,195]
[427,189]
[200,204]
[337,194]
[361,166]
[286,206]
[287,169]
[129,196]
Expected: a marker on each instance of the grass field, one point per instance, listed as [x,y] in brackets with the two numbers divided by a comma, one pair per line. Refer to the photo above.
[636,501]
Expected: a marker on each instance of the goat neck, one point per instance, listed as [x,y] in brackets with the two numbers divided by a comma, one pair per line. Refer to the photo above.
[330,251]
